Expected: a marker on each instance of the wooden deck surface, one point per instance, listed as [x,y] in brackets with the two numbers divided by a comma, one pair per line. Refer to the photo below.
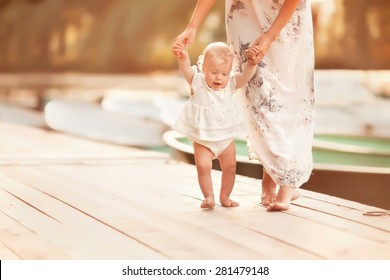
[69,198]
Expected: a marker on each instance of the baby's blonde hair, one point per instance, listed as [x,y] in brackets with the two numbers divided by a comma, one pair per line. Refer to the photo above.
[219,50]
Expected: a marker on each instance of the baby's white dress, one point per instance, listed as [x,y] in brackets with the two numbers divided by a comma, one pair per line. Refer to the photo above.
[278,103]
[210,115]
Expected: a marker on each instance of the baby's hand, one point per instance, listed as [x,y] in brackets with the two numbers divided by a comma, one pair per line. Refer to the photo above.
[251,54]
[179,50]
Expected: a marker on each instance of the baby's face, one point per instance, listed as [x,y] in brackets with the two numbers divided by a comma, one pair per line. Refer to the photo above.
[216,72]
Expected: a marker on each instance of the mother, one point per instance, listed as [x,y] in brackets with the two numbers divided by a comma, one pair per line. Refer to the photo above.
[278,102]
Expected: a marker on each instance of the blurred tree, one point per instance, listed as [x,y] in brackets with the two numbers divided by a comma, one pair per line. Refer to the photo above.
[136,35]
[353,34]
[4,3]
[89,35]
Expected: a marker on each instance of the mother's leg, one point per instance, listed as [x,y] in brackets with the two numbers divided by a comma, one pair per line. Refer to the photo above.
[268,187]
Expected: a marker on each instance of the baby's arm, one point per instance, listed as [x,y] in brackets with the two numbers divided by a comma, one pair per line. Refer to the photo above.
[249,69]
[184,63]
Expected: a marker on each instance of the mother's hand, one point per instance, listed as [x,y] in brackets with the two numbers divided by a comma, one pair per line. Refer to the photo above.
[261,44]
[183,41]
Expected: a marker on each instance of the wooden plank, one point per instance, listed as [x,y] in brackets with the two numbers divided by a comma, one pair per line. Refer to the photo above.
[72,231]
[335,207]
[79,192]
[334,212]
[192,215]
[359,241]
[354,228]
[327,241]
[177,240]
[6,253]
[329,252]
[156,207]
[62,174]
[346,213]
[81,160]
[364,232]
[24,242]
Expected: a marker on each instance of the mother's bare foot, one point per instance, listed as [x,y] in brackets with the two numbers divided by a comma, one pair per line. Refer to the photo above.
[268,193]
[295,195]
[267,197]
[268,189]
[283,199]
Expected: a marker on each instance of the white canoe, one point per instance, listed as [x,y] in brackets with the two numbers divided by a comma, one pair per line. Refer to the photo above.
[92,121]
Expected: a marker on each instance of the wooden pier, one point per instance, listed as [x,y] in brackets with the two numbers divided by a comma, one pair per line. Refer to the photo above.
[63,197]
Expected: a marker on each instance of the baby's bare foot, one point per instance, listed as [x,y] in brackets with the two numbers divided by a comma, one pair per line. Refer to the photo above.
[227,202]
[208,203]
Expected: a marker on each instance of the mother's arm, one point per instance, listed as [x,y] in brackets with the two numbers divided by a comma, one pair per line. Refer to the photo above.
[265,41]
[283,17]
[188,35]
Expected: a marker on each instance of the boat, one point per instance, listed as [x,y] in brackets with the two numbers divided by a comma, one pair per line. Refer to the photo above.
[351,167]
[19,115]
[91,121]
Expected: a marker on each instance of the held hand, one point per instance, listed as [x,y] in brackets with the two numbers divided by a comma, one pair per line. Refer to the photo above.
[179,49]
[259,48]
[182,42]
[251,54]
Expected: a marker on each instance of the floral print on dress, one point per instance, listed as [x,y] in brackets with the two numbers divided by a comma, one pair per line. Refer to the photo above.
[236,6]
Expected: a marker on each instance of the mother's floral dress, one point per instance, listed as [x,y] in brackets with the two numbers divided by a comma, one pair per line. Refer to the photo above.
[278,103]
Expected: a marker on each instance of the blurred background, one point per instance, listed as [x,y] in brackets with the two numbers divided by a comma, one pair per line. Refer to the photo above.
[103,69]
[84,49]
[133,36]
